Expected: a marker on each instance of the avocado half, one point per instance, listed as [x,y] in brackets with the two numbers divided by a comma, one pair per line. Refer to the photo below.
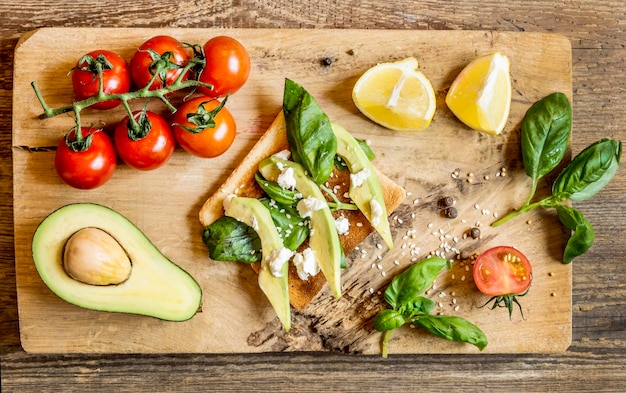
[156,286]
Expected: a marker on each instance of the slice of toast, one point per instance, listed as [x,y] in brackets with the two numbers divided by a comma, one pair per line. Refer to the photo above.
[241,182]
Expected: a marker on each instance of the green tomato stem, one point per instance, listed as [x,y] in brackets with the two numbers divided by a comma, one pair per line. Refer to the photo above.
[144,92]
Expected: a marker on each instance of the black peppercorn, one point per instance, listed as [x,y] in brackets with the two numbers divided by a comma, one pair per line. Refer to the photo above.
[450,212]
[474,233]
[446,201]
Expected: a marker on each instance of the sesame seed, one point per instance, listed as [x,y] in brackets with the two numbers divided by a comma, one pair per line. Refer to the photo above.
[456,308]
[383,273]
[553,294]
[372,291]
[409,193]
[463,278]
[396,262]
[453,300]
[379,246]
[477,206]
[416,201]
[529,222]
[430,225]
[551,274]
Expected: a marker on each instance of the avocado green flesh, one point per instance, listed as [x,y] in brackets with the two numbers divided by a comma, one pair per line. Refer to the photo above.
[251,212]
[324,240]
[356,160]
[156,286]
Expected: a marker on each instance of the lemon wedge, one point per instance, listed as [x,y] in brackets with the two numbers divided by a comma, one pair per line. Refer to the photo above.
[396,96]
[480,96]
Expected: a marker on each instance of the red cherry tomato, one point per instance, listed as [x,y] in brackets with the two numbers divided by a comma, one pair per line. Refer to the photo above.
[148,147]
[503,273]
[115,77]
[227,66]
[204,127]
[89,168]
[161,55]
[502,270]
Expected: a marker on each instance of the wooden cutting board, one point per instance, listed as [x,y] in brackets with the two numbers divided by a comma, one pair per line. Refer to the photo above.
[235,316]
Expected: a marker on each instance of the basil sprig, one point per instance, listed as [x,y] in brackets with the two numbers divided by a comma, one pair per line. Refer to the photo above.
[546,129]
[404,295]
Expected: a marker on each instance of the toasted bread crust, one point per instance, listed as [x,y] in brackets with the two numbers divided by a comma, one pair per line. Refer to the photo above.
[241,182]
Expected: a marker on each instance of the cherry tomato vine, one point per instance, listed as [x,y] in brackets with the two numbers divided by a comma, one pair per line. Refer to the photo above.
[160,66]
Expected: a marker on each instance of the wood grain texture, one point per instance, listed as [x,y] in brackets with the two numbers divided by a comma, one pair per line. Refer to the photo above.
[596,359]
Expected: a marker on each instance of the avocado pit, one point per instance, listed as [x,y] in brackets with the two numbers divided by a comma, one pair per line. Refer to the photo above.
[94,257]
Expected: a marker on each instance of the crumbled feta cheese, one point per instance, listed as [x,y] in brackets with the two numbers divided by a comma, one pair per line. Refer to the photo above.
[356,179]
[342,224]
[277,259]
[308,205]
[284,154]
[286,179]
[377,211]
[306,264]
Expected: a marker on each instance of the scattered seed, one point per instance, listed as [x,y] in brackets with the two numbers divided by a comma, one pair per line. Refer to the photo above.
[486,177]
[477,206]
[456,308]
[551,274]
[383,273]
[553,294]
[372,291]
[529,222]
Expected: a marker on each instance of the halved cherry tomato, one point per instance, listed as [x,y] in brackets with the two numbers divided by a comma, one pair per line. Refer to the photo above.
[115,77]
[88,168]
[204,127]
[149,146]
[227,66]
[504,273]
[162,55]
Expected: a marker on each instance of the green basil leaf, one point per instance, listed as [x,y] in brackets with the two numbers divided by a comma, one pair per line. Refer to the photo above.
[546,129]
[388,320]
[453,329]
[582,238]
[311,139]
[283,196]
[411,283]
[589,171]
[418,306]
[292,228]
[230,240]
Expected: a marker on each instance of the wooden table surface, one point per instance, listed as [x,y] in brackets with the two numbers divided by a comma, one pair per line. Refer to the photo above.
[596,359]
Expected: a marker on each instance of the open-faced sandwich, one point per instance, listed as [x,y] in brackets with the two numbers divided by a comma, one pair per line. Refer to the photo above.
[304,197]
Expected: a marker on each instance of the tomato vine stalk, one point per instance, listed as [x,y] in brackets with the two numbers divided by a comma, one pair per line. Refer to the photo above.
[82,143]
